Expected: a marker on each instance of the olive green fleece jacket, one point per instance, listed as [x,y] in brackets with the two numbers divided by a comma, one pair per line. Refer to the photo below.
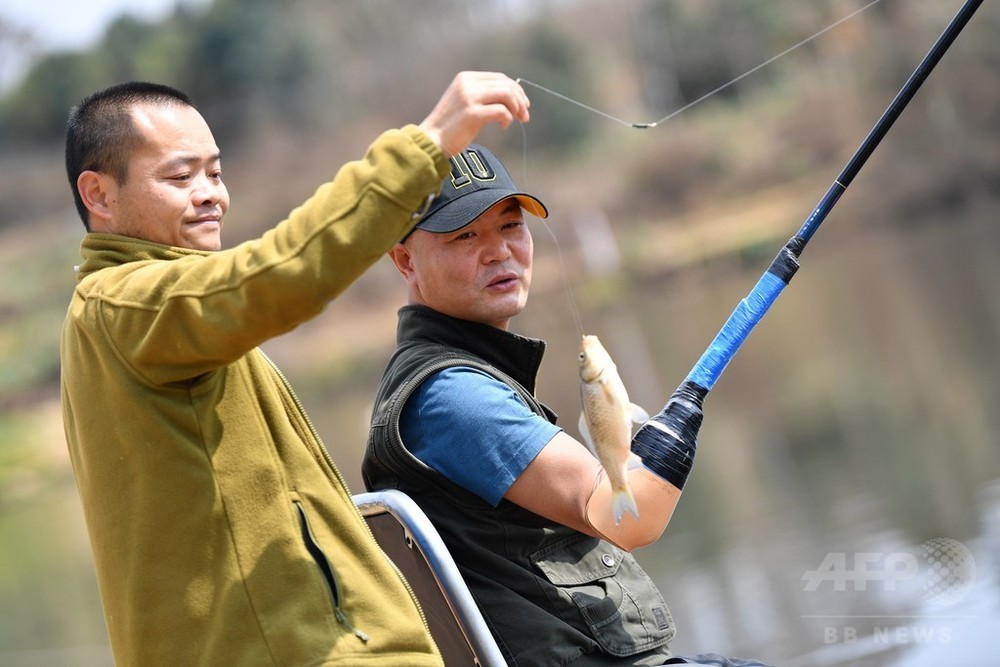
[222,533]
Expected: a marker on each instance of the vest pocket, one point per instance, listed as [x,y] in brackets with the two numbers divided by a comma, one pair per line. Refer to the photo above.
[325,569]
[608,592]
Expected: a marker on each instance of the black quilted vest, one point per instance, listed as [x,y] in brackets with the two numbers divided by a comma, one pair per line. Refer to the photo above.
[551,595]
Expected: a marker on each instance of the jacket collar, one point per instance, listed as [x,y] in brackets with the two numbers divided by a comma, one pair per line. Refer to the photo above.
[518,356]
[100,251]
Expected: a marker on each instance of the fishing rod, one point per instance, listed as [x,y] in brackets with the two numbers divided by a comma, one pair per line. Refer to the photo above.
[666,443]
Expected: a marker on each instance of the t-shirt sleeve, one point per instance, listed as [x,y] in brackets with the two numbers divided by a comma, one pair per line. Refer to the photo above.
[474,430]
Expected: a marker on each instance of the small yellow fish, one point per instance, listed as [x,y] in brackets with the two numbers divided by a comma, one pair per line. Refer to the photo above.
[606,421]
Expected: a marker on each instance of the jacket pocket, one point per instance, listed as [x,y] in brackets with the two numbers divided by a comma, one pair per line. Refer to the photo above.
[608,592]
[325,569]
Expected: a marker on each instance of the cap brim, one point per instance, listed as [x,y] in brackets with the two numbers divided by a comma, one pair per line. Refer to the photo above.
[459,212]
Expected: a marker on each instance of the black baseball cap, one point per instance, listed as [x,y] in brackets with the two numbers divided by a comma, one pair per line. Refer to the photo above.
[478,181]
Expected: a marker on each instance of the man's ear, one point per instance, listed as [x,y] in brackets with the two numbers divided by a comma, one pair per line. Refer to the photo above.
[403,260]
[97,192]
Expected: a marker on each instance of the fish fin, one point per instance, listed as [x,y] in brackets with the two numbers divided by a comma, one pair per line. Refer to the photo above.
[585,433]
[637,414]
[623,501]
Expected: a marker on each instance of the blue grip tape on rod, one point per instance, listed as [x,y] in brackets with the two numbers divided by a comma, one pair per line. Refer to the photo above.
[748,313]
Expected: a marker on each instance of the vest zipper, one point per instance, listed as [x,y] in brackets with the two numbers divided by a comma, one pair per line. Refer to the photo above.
[341,617]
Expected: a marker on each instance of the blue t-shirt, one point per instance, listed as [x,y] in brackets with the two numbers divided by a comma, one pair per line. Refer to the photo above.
[474,430]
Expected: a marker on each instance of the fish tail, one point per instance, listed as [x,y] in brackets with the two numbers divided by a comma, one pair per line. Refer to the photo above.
[623,501]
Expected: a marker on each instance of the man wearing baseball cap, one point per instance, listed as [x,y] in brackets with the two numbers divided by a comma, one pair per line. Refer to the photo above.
[457,427]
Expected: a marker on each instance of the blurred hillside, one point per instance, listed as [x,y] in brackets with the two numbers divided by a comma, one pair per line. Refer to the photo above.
[661,231]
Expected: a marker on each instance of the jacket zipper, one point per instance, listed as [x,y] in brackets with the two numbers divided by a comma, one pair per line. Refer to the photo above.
[324,565]
[305,417]
[341,617]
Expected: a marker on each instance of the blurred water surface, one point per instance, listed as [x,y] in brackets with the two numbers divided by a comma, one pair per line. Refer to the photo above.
[856,428]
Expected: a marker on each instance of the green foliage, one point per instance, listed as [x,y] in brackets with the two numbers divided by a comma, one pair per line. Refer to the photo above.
[236,59]
[545,53]
[36,112]
[244,61]
[689,49]
[245,56]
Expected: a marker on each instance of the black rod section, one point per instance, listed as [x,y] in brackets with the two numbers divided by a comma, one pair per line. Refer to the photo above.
[890,115]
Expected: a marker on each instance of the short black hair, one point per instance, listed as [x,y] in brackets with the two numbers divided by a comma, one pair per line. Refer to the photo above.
[100,133]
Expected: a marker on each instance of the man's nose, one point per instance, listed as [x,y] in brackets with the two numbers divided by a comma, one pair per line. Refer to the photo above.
[208,191]
[497,249]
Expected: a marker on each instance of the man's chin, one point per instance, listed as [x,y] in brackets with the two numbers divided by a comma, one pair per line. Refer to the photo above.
[501,315]
[207,242]
[203,235]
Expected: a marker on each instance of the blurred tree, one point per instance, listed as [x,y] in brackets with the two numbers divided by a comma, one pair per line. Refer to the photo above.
[685,50]
[36,110]
[15,45]
[545,54]
[237,59]
[123,43]
[248,59]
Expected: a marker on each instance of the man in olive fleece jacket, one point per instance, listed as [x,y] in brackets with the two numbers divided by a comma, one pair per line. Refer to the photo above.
[222,532]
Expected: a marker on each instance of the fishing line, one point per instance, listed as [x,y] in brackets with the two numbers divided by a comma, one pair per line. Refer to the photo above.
[570,298]
[652,124]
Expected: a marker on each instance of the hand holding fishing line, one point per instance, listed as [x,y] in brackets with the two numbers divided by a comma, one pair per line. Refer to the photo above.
[473,100]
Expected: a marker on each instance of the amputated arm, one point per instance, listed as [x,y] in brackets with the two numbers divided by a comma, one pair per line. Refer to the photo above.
[655,497]
[566,484]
